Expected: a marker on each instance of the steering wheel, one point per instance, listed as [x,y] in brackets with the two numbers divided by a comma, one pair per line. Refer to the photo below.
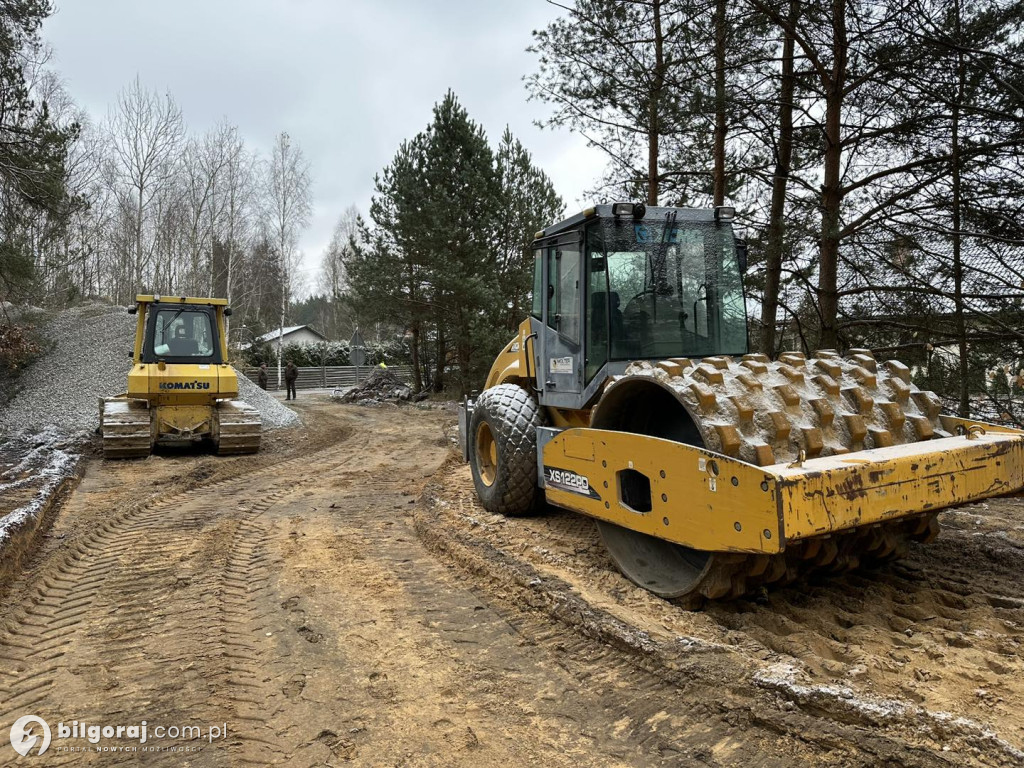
[644,292]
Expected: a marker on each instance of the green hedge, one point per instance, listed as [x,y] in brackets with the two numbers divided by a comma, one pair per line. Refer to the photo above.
[393,352]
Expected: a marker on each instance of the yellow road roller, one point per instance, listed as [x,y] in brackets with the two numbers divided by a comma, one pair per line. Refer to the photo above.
[629,395]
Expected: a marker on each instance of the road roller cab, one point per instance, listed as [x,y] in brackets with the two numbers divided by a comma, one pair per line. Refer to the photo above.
[181,389]
[629,395]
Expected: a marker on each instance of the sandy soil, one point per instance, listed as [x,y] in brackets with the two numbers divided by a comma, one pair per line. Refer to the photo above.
[341,599]
[287,596]
[928,652]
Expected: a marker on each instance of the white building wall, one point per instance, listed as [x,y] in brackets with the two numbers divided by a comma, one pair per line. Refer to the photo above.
[301,336]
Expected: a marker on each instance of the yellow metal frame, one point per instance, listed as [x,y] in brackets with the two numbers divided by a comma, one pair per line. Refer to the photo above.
[151,299]
[514,365]
[708,501]
[182,395]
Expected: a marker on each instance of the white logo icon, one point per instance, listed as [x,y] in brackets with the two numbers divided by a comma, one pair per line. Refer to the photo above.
[23,739]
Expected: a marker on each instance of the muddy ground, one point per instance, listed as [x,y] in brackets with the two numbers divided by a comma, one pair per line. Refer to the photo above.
[340,599]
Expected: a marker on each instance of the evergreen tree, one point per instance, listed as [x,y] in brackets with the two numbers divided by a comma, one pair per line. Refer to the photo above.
[445,255]
[528,203]
[34,199]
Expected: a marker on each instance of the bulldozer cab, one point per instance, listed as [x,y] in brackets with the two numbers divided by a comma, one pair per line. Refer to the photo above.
[624,282]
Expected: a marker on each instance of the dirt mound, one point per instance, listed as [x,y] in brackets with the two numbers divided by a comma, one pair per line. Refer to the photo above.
[381,386]
[34,468]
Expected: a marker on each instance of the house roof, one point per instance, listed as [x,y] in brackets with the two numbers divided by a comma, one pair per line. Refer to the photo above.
[287,330]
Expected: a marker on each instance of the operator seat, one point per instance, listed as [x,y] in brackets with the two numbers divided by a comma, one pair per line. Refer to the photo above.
[182,346]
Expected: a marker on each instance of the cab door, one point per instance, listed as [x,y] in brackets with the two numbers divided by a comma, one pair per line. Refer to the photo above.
[561,360]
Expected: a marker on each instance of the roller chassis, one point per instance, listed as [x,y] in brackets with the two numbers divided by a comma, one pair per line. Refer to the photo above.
[801,465]
[713,477]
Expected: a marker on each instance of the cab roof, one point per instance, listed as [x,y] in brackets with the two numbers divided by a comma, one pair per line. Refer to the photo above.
[604,211]
[152,299]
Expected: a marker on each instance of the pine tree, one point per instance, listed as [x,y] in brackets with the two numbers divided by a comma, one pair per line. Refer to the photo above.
[445,255]
[33,149]
[528,203]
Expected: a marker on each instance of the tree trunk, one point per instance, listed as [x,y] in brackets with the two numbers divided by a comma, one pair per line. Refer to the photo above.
[227,285]
[138,245]
[719,138]
[417,376]
[776,226]
[439,366]
[831,190]
[964,408]
[284,307]
[654,118]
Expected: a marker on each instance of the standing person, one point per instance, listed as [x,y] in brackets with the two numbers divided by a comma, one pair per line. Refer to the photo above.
[261,377]
[291,373]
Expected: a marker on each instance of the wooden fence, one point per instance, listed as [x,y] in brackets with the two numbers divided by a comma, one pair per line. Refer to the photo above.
[327,376]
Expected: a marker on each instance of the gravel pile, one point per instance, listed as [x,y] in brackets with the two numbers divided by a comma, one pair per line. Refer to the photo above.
[274,413]
[90,359]
[381,386]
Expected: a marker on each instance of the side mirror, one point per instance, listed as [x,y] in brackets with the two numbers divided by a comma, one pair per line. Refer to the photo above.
[741,255]
[133,309]
[227,311]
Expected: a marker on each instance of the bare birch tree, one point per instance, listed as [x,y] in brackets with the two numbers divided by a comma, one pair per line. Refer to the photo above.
[289,207]
[146,131]
[237,195]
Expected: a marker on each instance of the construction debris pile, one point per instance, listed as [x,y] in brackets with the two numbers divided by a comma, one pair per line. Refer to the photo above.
[381,386]
[90,358]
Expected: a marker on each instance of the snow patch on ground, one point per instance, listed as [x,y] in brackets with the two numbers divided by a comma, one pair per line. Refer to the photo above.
[46,463]
[943,726]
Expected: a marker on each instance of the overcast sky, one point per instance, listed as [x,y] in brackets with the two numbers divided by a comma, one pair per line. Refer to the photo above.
[347,79]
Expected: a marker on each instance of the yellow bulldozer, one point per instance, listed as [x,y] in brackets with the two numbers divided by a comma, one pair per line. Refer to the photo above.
[181,389]
[629,395]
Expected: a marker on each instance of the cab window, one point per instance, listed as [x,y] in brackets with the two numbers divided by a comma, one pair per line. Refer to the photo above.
[538,284]
[182,333]
[564,291]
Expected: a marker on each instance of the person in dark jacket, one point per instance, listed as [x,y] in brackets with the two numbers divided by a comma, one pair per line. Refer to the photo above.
[291,373]
[261,377]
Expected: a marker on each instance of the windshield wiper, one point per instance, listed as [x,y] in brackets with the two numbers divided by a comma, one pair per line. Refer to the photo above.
[169,322]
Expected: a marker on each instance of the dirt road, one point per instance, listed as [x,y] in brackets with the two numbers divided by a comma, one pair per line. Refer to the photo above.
[287,596]
[309,602]
[921,662]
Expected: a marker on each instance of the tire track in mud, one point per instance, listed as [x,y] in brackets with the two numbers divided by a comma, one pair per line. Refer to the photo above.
[624,714]
[122,570]
[657,697]
[891,650]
